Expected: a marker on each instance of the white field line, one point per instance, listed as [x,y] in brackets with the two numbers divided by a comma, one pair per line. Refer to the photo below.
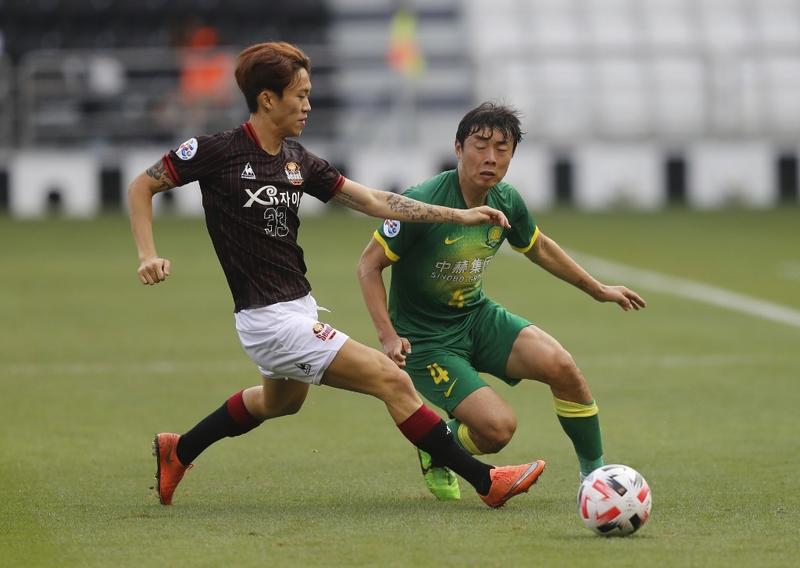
[606,269]
[684,288]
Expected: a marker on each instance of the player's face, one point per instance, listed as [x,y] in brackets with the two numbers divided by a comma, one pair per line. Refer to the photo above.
[290,111]
[484,158]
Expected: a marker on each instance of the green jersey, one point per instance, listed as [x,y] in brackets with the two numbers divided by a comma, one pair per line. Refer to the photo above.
[437,275]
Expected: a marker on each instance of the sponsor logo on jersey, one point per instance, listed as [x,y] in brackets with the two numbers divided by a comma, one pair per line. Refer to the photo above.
[493,236]
[270,192]
[391,227]
[248,173]
[293,173]
[449,241]
[269,196]
[323,331]
[187,150]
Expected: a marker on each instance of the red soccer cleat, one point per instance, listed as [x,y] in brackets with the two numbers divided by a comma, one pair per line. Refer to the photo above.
[169,469]
[511,480]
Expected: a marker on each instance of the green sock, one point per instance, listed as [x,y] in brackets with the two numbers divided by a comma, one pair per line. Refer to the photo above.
[582,425]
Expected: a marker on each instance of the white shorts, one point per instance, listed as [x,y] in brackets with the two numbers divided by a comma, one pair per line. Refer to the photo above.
[286,340]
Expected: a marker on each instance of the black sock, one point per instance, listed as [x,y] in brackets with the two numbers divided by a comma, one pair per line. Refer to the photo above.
[229,420]
[439,443]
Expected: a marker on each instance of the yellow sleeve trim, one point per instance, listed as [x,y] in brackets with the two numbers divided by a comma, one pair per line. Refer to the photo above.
[530,245]
[574,409]
[389,254]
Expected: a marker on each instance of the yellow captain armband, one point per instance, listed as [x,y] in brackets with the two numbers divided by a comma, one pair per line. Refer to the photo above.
[530,244]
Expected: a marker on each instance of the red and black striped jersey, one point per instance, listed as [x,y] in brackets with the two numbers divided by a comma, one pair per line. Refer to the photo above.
[251,200]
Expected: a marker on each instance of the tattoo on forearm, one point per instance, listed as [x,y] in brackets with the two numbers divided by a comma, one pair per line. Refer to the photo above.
[412,210]
[158,172]
[347,200]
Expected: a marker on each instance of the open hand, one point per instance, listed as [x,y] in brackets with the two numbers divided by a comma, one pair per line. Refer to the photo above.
[625,298]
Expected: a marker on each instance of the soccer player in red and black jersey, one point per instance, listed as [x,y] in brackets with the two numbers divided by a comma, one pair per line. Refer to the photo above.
[252,179]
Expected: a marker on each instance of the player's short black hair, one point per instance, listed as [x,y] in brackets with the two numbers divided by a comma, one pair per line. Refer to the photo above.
[493,116]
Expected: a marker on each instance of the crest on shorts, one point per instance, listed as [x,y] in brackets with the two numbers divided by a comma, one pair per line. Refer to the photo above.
[305,367]
[493,236]
[323,331]
[391,227]
[293,173]
[187,150]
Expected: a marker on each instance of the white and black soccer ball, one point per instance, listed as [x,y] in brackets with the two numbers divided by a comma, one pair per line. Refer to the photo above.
[614,500]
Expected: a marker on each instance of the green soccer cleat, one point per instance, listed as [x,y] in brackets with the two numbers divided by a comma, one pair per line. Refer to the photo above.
[441,481]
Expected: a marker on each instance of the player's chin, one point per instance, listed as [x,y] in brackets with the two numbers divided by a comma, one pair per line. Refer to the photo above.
[486,182]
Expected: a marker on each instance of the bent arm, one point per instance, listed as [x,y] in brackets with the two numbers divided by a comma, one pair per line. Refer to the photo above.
[152,268]
[370,277]
[549,255]
[387,205]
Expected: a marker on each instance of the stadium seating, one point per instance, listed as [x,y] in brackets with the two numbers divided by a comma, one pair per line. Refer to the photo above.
[651,86]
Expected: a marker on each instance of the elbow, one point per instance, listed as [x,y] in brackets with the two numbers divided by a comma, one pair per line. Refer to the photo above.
[137,186]
[367,271]
[363,270]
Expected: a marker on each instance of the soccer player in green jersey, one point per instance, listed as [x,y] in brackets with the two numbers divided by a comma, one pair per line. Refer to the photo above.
[444,330]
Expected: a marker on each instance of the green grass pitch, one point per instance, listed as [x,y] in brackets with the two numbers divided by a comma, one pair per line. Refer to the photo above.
[702,400]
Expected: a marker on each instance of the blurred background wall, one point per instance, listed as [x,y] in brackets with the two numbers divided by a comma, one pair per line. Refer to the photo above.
[626,103]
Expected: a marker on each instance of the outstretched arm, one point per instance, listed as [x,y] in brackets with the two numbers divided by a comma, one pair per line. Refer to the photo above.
[152,268]
[547,254]
[370,269]
[387,205]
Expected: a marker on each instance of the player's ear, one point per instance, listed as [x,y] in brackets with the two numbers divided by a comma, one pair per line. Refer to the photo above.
[266,99]
[459,149]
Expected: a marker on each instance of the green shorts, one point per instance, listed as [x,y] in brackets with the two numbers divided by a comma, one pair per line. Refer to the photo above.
[447,372]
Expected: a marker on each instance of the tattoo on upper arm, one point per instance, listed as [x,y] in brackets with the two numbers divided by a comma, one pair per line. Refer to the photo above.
[159,173]
[413,210]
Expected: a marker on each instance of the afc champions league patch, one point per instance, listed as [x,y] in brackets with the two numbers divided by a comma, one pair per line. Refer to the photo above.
[293,173]
[391,228]
[187,150]
[323,331]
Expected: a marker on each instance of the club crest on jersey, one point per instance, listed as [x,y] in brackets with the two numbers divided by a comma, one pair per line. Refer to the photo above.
[323,331]
[187,150]
[293,173]
[493,236]
[391,228]
[248,173]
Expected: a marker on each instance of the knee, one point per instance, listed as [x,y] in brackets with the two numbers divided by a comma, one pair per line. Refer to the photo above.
[564,371]
[497,433]
[395,384]
[566,380]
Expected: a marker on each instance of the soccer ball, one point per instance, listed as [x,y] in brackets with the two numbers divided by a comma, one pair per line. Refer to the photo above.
[614,500]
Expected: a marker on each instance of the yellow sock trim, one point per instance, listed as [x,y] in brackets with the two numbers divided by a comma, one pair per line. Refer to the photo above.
[569,409]
[466,441]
